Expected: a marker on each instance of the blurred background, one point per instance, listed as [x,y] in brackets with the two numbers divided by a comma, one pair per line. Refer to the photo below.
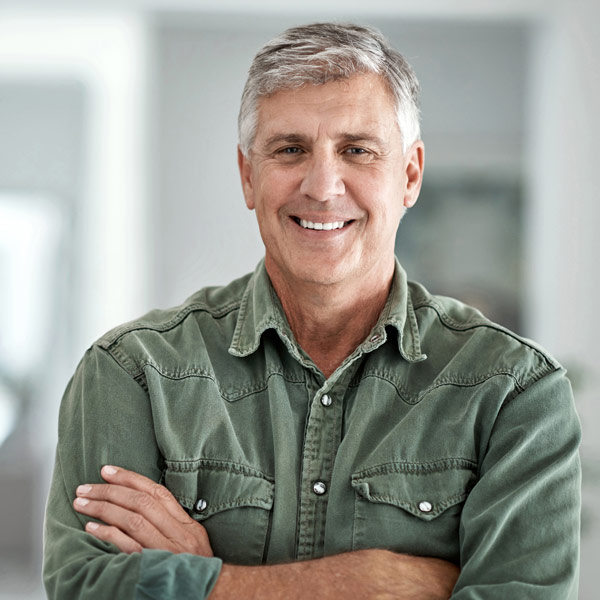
[119,191]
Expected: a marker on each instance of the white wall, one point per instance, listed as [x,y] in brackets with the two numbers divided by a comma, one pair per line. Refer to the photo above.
[564,218]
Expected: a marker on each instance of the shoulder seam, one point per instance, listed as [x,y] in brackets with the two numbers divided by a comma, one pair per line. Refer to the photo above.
[136,377]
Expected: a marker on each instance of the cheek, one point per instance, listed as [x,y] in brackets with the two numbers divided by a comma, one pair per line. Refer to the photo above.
[276,189]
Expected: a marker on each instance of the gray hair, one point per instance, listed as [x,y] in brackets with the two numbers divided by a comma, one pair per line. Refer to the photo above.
[324,52]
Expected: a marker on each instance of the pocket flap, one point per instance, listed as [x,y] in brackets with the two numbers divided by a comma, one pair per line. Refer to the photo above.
[422,489]
[207,487]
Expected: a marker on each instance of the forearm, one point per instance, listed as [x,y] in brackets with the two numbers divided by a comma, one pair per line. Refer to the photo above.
[363,574]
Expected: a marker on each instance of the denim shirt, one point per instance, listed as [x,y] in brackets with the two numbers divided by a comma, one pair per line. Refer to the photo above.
[442,435]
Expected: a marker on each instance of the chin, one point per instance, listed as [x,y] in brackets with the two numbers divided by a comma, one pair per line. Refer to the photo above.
[323,275]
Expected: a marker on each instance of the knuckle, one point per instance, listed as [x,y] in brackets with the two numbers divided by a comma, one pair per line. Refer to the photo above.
[143,501]
[161,492]
[100,509]
[135,522]
[111,533]
[106,492]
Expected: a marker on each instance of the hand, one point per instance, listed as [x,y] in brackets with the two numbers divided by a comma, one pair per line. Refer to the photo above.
[139,513]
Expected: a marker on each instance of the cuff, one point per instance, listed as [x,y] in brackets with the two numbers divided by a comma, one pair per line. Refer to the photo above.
[167,576]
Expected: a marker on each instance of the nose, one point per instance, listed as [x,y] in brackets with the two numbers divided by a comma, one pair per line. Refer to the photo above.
[323,179]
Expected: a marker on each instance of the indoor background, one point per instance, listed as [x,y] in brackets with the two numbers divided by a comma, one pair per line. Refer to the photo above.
[119,191]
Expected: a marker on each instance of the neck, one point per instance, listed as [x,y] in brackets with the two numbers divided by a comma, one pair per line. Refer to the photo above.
[330,320]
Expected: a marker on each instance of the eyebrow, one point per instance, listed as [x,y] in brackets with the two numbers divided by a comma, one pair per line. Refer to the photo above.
[297,138]
[288,138]
[365,137]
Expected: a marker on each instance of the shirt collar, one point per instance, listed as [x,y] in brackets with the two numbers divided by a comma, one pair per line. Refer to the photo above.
[399,313]
[261,309]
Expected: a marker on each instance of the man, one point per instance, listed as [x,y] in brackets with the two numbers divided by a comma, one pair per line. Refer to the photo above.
[321,427]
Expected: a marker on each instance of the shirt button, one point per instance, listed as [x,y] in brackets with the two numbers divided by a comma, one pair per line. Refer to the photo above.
[326,400]
[200,505]
[319,488]
[425,507]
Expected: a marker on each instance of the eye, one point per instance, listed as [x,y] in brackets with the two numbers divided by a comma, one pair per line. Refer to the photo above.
[354,150]
[290,150]
[358,154]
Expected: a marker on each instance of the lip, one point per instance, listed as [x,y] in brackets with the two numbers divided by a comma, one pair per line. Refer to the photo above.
[316,218]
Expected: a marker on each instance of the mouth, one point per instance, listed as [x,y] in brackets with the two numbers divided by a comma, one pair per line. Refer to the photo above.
[321,226]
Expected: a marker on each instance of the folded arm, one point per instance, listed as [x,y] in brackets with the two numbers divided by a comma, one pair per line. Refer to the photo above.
[519,532]
[106,419]
[139,513]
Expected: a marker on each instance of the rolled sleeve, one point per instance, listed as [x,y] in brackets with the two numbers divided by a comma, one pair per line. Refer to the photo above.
[106,418]
[519,532]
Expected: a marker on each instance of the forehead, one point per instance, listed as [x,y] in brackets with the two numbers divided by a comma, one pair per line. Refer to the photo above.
[361,101]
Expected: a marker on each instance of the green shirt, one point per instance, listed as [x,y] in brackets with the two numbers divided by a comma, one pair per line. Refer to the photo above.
[442,434]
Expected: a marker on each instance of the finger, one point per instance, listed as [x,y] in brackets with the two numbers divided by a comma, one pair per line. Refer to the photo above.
[129,522]
[113,535]
[133,480]
[140,502]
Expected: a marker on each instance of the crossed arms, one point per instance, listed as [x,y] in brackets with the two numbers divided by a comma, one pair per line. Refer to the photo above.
[531,473]
[138,513]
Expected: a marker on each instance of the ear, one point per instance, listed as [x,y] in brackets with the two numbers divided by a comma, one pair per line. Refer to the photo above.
[246,176]
[414,163]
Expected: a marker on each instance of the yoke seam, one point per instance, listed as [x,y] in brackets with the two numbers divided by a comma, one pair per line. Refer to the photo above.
[449,322]
[239,393]
[173,322]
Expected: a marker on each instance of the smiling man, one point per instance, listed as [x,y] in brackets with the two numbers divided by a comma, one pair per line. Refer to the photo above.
[321,427]
[329,180]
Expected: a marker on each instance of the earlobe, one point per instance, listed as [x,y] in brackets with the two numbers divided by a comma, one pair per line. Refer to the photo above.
[246,178]
[414,164]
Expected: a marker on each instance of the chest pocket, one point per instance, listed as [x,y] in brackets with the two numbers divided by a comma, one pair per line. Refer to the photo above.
[233,502]
[412,507]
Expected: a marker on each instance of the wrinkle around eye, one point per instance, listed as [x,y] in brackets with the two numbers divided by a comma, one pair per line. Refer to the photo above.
[359,155]
[288,154]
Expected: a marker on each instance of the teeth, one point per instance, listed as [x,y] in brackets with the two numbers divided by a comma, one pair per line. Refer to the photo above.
[325,226]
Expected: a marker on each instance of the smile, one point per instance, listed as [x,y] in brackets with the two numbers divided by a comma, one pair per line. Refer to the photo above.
[320,226]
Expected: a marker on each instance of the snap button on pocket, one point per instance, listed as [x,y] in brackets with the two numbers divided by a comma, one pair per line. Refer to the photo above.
[444,483]
[411,506]
[233,502]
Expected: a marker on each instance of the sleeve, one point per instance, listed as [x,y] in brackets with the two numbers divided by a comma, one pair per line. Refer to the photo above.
[106,418]
[519,531]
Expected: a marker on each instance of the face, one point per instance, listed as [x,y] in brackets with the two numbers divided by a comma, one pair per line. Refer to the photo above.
[329,181]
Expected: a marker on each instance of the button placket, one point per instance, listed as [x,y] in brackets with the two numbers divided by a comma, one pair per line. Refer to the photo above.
[320,446]
[319,488]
